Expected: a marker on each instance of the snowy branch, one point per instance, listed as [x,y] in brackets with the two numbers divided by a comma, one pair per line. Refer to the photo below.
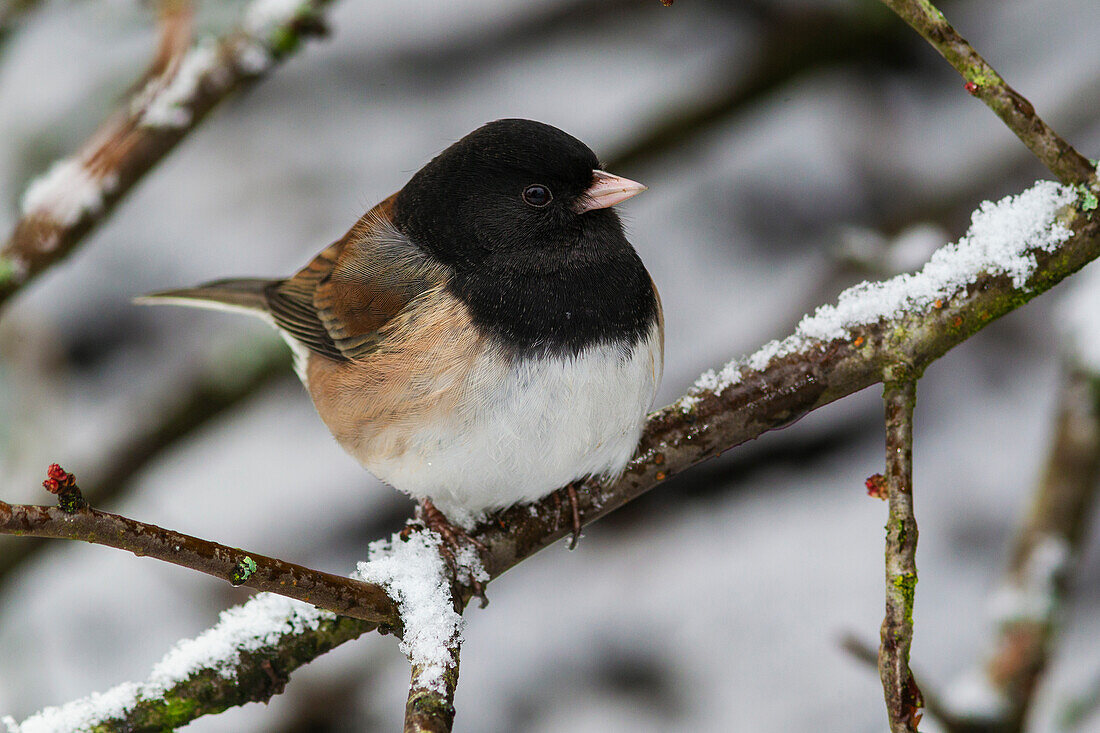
[75,520]
[413,572]
[983,81]
[181,88]
[247,657]
[903,697]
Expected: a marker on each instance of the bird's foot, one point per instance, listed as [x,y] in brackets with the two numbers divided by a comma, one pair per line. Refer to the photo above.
[454,541]
[575,511]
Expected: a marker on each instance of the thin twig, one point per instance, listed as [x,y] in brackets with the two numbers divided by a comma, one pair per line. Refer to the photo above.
[335,593]
[79,192]
[985,83]
[903,697]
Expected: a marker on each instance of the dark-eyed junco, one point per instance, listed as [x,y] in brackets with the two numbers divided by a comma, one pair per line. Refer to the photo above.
[483,336]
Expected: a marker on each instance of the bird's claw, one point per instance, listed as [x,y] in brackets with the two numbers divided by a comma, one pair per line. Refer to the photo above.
[452,539]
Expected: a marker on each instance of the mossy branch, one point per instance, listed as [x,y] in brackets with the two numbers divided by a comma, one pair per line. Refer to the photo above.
[903,698]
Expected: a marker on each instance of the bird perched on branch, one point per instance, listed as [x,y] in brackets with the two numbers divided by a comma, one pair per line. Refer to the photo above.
[481,337]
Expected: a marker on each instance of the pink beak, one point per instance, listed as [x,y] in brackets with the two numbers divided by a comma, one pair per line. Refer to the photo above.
[607,190]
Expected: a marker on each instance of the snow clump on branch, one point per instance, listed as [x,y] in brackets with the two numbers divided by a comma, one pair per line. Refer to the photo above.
[258,624]
[415,576]
[1002,240]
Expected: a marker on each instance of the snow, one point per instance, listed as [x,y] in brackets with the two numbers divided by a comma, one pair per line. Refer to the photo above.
[66,192]
[1002,240]
[169,106]
[252,58]
[259,623]
[414,575]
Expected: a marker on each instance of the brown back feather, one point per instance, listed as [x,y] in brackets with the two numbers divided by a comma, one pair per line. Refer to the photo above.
[337,304]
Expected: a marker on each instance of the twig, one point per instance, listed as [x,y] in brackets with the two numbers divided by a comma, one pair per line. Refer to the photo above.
[75,520]
[903,697]
[1046,547]
[985,83]
[79,192]
[430,709]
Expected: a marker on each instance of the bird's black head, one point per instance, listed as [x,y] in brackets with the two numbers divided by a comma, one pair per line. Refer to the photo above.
[508,189]
[521,214]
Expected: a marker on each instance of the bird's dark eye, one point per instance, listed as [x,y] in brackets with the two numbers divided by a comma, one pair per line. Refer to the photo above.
[537,195]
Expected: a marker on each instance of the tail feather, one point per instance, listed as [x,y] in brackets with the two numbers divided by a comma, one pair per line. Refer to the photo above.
[246,295]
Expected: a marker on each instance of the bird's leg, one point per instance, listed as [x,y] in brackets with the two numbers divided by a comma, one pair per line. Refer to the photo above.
[453,536]
[571,492]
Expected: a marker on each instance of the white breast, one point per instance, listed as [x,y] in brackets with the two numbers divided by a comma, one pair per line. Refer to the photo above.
[527,429]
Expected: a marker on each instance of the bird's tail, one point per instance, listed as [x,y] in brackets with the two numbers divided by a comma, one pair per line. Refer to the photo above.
[243,295]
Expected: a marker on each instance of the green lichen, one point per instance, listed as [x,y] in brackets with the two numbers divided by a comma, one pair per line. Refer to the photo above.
[178,711]
[900,531]
[1089,201]
[244,570]
[906,585]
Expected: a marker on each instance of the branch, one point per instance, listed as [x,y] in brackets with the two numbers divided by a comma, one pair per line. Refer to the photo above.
[793,43]
[984,82]
[79,192]
[842,349]
[429,709]
[411,568]
[75,520]
[903,697]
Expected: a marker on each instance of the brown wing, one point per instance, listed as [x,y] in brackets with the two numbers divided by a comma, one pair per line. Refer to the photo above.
[337,304]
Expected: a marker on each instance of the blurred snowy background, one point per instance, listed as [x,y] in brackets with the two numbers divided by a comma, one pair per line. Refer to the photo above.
[791,147]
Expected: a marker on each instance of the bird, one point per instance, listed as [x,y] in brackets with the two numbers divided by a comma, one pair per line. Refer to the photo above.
[482,337]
